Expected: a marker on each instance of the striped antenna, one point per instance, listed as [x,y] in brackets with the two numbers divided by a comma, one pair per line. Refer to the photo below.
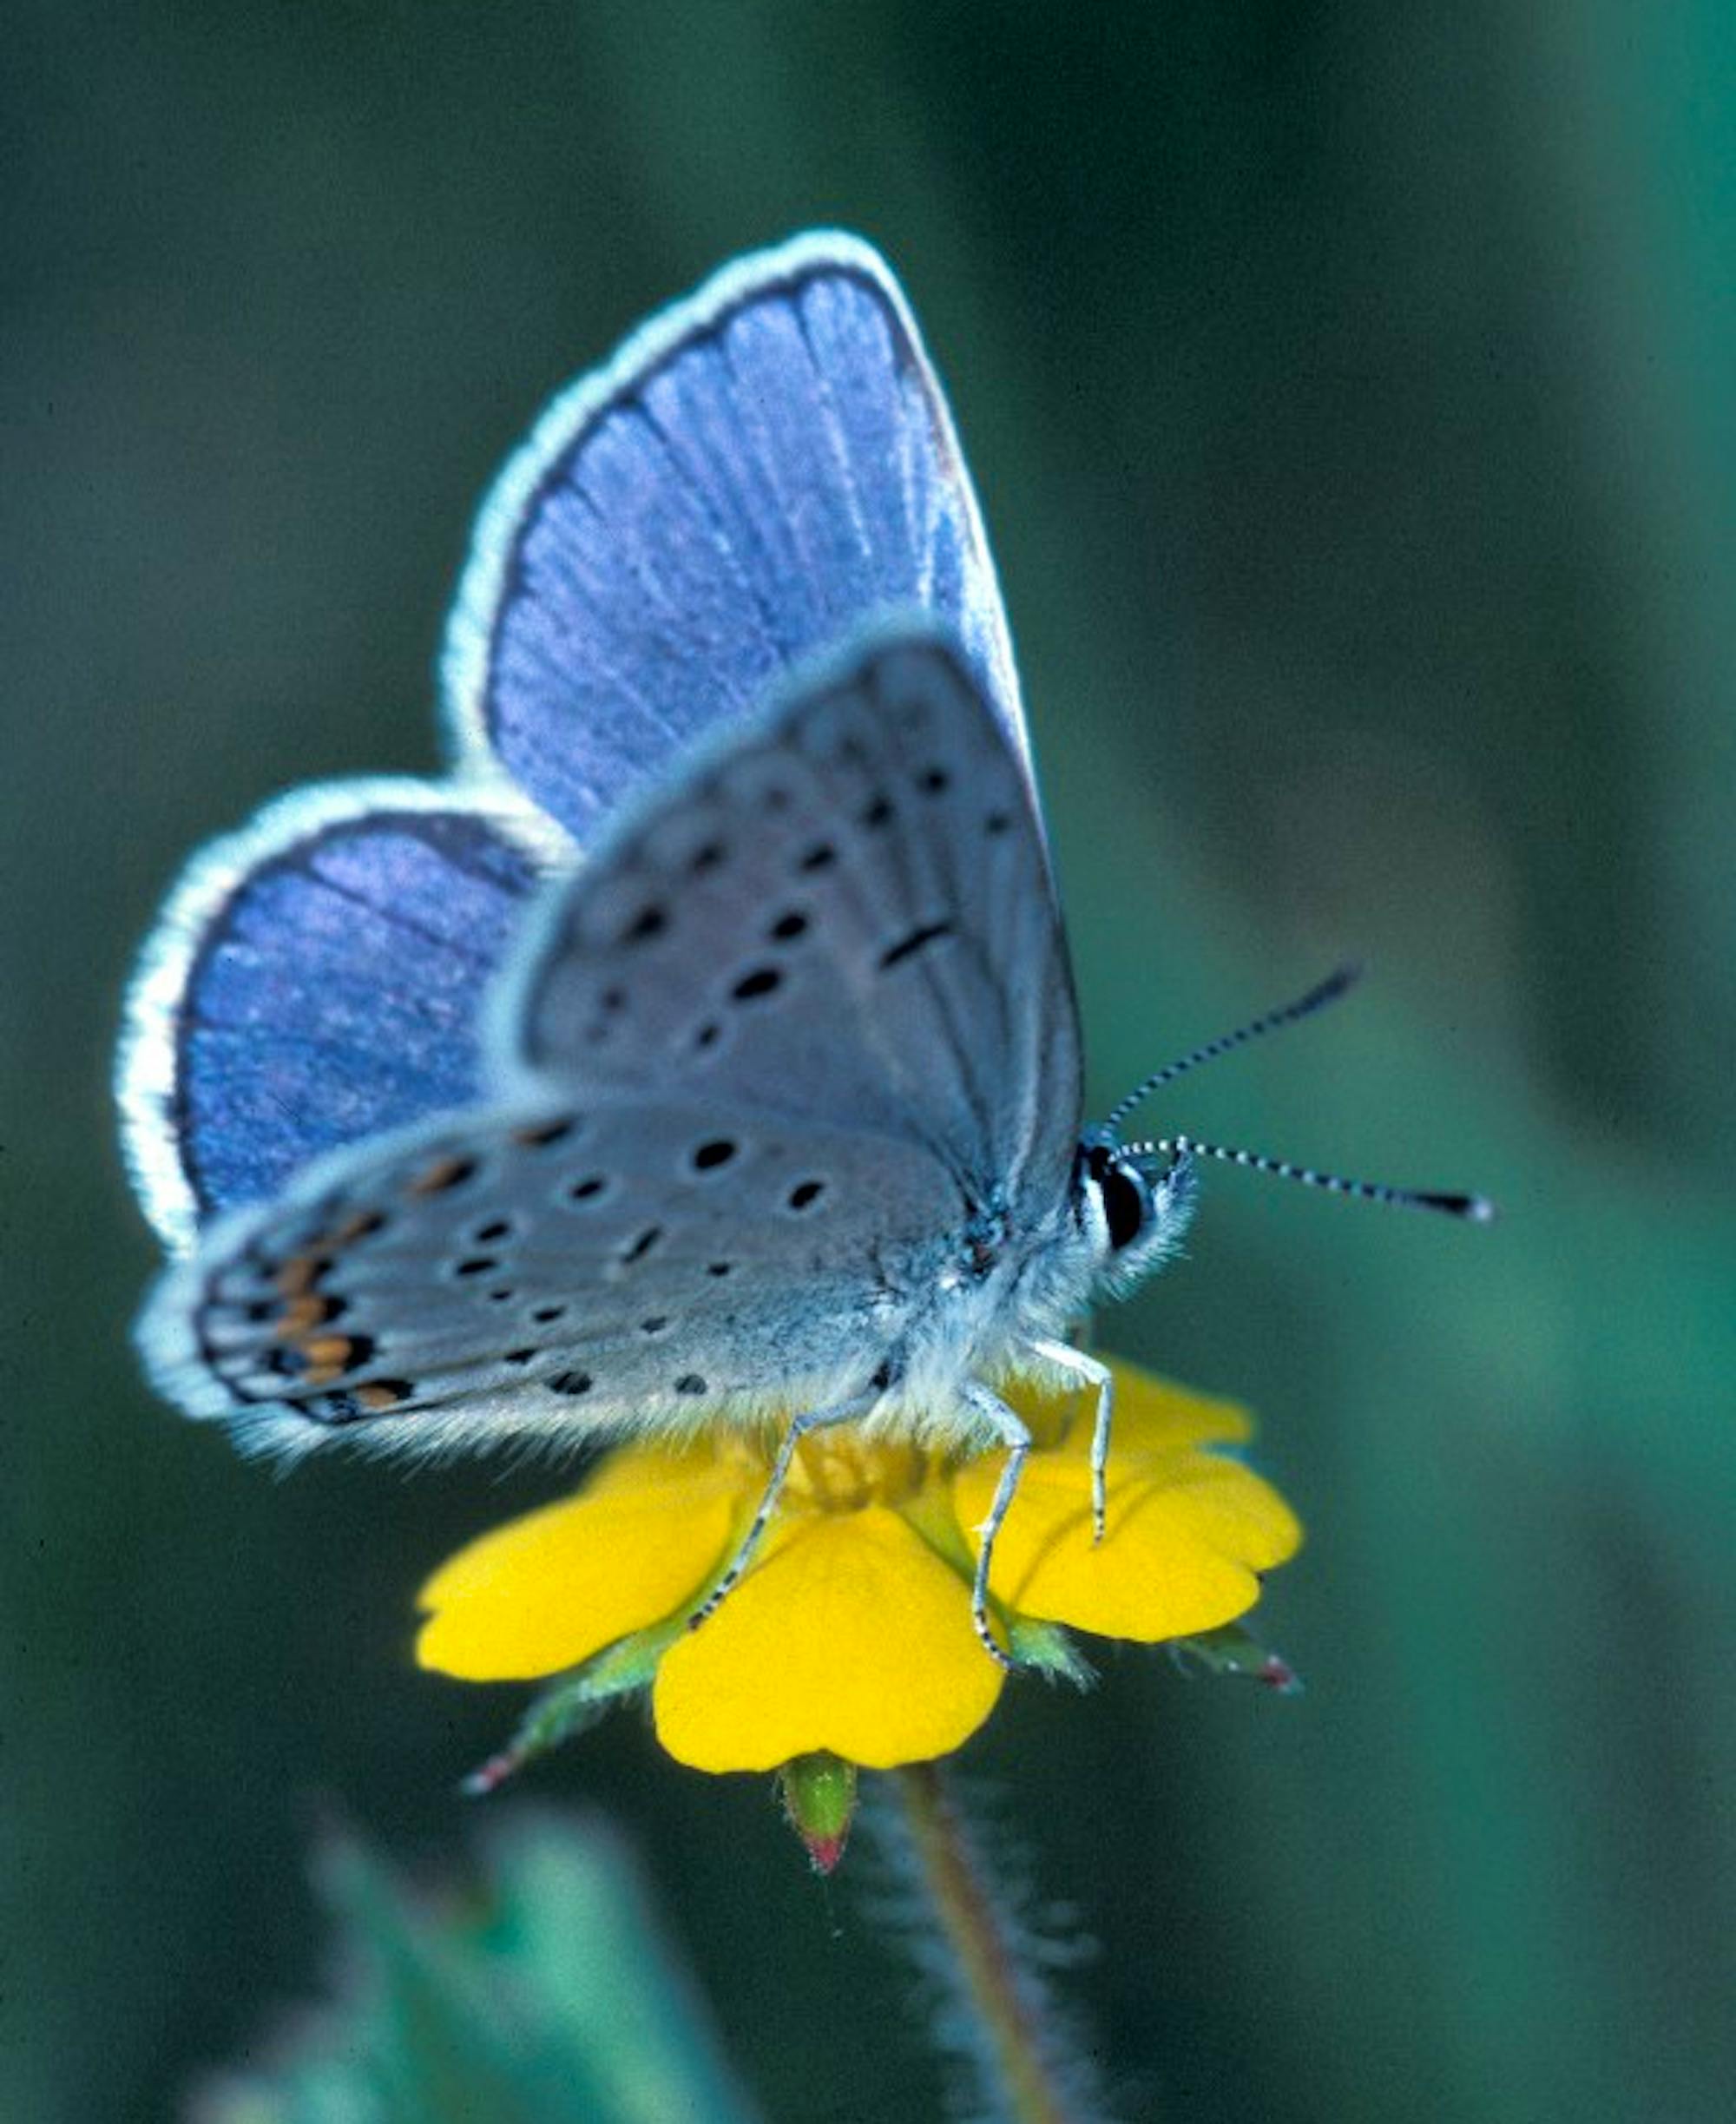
[1476,1209]
[1335,984]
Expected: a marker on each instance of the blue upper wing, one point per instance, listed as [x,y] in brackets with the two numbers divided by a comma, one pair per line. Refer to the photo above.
[759,469]
[313,980]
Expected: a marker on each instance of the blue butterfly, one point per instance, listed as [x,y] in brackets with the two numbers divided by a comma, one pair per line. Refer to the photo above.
[704,1048]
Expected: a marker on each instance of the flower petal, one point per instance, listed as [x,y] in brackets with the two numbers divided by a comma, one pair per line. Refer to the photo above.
[543,1592]
[849,1635]
[1187,1529]
[1152,1414]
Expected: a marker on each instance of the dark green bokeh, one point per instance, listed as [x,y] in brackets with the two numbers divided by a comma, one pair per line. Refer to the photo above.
[1350,391]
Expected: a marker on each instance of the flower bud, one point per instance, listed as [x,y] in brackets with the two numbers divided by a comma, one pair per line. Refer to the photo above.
[819,1792]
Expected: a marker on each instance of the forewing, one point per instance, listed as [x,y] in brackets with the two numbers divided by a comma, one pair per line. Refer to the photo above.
[549,1272]
[313,980]
[758,471]
[844,918]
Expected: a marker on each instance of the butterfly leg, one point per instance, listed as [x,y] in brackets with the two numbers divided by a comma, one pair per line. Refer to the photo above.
[1094,1373]
[1011,1433]
[803,1427]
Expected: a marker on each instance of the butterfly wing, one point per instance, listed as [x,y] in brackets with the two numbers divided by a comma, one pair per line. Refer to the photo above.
[660,1222]
[759,469]
[548,1273]
[843,917]
[313,980]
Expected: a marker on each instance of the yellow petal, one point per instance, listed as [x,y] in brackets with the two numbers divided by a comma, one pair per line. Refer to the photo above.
[544,1592]
[1187,1529]
[1151,1414]
[849,1635]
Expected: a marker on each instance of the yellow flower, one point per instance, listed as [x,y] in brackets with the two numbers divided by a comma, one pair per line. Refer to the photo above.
[850,1634]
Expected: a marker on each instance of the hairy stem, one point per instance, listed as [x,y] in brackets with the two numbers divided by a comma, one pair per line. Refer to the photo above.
[1005,1997]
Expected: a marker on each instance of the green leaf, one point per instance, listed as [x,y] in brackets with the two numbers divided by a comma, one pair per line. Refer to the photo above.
[548,1998]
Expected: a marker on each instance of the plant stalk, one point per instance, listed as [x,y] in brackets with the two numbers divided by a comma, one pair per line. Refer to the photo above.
[1004,1996]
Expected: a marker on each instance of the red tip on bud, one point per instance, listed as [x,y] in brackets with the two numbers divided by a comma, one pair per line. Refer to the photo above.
[825,1852]
[819,1792]
[1232,1650]
[1278,1675]
[488,1777]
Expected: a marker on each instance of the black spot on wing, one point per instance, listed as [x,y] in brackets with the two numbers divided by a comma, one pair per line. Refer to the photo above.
[650,921]
[916,940]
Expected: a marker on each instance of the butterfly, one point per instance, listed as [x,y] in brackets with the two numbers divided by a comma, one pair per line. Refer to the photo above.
[704,1051]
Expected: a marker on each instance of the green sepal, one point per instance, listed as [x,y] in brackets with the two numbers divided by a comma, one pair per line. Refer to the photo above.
[575,1701]
[1049,1651]
[1232,1650]
[819,1792]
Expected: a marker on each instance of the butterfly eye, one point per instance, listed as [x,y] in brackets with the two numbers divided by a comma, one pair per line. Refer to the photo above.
[1124,1195]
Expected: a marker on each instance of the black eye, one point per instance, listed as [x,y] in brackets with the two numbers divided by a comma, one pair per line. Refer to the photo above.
[1126,1202]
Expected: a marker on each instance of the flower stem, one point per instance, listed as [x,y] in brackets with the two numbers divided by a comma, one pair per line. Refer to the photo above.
[1004,1996]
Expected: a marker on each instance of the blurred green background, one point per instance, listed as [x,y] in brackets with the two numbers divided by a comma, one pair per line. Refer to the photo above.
[1352,389]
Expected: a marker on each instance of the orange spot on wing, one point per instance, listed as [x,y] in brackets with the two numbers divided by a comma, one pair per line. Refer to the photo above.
[537,1134]
[444,1173]
[378,1395]
[302,1313]
[299,1275]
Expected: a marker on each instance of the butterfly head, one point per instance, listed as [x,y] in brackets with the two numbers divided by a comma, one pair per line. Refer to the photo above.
[1133,1202]
[1132,1205]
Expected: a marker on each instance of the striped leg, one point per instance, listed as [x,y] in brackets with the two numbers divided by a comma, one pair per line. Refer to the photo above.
[1011,1432]
[803,1426]
[1093,1373]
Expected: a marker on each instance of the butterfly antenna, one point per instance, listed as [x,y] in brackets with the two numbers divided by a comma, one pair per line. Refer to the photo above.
[1337,983]
[1475,1208]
